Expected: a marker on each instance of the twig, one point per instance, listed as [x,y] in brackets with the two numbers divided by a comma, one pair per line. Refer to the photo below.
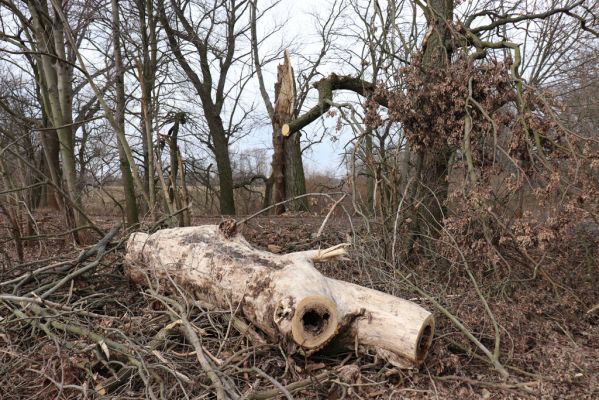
[41,302]
[497,385]
[193,338]
[593,309]
[334,253]
[26,276]
[99,250]
[328,195]
[405,193]
[99,247]
[329,215]
[240,325]
[274,382]
[166,218]
[292,387]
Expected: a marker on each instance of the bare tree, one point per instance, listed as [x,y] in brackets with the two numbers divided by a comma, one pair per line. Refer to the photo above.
[131,209]
[421,98]
[213,37]
[287,179]
[42,41]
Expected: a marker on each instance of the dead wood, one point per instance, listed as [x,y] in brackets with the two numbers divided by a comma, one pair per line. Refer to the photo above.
[282,295]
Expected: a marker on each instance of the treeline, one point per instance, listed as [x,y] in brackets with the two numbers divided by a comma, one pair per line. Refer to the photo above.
[156,93]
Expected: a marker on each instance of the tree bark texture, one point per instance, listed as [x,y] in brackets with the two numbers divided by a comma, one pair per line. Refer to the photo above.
[147,71]
[295,180]
[50,145]
[285,296]
[178,195]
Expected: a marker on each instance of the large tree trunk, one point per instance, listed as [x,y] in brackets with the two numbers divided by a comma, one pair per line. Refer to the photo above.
[283,295]
[66,132]
[278,170]
[369,165]
[287,165]
[50,145]
[432,163]
[282,113]
[57,95]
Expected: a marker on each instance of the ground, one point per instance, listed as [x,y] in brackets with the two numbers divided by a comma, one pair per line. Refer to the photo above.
[104,337]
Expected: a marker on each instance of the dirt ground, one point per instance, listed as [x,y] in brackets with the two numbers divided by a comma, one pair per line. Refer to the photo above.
[100,343]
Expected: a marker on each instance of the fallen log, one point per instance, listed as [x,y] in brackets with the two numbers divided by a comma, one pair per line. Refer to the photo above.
[283,295]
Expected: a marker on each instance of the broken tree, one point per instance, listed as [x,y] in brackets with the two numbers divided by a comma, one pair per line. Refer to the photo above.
[283,295]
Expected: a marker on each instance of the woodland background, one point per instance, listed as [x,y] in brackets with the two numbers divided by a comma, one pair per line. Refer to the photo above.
[468,181]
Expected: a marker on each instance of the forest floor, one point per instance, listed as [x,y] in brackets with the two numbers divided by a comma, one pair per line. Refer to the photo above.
[96,335]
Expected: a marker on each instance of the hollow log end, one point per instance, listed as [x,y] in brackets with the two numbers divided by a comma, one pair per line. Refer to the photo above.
[425,338]
[411,360]
[315,322]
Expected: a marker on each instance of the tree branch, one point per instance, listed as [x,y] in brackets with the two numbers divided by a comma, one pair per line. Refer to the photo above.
[506,19]
[325,89]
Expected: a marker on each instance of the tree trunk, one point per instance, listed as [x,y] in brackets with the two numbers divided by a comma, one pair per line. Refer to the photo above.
[431,167]
[57,78]
[223,165]
[287,165]
[185,216]
[432,164]
[278,169]
[178,199]
[369,168]
[147,71]
[131,210]
[66,132]
[283,295]
[9,206]
[51,150]
[212,107]
[49,141]
[295,181]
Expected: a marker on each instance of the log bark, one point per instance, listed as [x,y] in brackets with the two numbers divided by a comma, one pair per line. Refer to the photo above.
[285,296]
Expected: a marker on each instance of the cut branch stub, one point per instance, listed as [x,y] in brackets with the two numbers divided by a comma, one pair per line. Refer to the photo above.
[283,295]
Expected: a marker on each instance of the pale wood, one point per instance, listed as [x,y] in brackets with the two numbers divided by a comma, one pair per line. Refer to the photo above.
[283,295]
[285,90]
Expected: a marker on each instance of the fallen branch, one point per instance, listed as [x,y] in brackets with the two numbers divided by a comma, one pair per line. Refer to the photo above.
[283,295]
[292,387]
